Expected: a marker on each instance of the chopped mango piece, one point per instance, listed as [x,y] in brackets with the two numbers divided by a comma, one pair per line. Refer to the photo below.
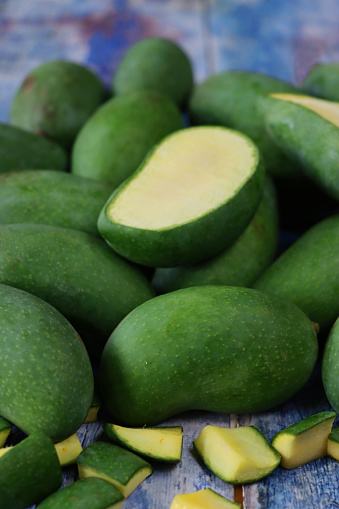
[237,455]
[305,440]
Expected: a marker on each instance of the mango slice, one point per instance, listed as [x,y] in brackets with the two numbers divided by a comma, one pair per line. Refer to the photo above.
[305,440]
[333,444]
[202,499]
[122,468]
[68,450]
[236,455]
[161,443]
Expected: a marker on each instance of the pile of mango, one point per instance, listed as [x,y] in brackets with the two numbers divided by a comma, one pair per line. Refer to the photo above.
[144,237]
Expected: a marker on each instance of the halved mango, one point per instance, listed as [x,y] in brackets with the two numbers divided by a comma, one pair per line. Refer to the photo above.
[191,197]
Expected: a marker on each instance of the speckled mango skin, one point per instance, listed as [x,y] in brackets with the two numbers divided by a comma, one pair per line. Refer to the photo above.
[30,471]
[306,138]
[239,265]
[87,493]
[307,273]
[192,241]
[75,272]
[55,100]
[117,137]
[217,348]
[46,379]
[230,98]
[22,150]
[52,197]
[112,461]
[330,366]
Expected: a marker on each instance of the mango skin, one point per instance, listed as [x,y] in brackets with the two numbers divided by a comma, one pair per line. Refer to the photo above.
[322,81]
[55,100]
[51,197]
[230,98]
[30,471]
[217,348]
[75,272]
[46,378]
[330,366]
[158,64]
[239,265]
[114,141]
[307,273]
[306,138]
[22,150]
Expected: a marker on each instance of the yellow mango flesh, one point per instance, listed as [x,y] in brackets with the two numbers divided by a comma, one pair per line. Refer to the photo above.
[191,172]
[68,450]
[297,450]
[202,499]
[158,443]
[329,110]
[236,455]
[333,449]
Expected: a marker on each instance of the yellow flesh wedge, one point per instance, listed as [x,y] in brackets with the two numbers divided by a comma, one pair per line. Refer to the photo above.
[236,455]
[202,499]
[297,450]
[329,110]
[191,172]
[125,489]
[333,449]
[157,443]
[68,450]
[3,436]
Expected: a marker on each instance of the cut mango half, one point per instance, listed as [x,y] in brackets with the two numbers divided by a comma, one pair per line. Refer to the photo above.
[333,444]
[237,455]
[122,468]
[191,197]
[202,499]
[160,443]
[329,110]
[305,440]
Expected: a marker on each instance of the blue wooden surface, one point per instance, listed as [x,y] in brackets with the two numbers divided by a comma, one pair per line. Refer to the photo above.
[279,37]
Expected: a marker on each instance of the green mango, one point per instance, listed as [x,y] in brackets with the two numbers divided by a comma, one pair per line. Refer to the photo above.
[307,130]
[307,273]
[52,197]
[322,80]
[55,99]
[22,150]
[77,273]
[46,379]
[217,348]
[155,63]
[330,366]
[230,99]
[29,472]
[239,265]
[117,137]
